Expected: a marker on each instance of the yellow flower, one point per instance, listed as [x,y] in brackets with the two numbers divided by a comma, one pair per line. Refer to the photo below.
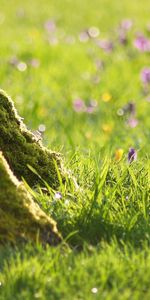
[107,128]
[42,112]
[88,135]
[34,33]
[118,154]
[106,97]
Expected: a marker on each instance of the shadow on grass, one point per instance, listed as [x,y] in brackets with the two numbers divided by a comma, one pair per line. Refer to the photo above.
[96,230]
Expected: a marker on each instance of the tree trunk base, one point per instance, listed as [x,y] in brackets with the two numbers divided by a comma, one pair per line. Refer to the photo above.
[23,152]
[21,219]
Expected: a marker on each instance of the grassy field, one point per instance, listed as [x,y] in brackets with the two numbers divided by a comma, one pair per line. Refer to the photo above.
[80,70]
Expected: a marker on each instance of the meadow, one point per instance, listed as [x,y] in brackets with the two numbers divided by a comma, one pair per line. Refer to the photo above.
[79,73]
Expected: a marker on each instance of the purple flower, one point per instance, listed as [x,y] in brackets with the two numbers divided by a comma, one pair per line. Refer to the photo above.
[106,45]
[124,27]
[132,122]
[79,105]
[91,107]
[145,75]
[83,36]
[132,155]
[99,64]
[50,26]
[35,63]
[90,110]
[123,38]
[142,43]
[130,109]
[14,61]
[126,24]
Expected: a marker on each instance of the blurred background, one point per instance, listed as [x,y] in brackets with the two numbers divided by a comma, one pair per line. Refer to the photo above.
[79,71]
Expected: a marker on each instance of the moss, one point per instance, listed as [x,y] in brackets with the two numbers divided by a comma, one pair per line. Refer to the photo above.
[22,148]
[21,219]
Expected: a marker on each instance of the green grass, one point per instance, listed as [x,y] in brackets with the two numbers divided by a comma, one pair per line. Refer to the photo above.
[106,222]
[114,272]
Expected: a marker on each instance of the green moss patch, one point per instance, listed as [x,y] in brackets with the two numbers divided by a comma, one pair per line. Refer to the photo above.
[21,148]
[21,219]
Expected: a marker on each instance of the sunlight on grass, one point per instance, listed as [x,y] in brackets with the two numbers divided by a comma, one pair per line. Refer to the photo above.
[79,74]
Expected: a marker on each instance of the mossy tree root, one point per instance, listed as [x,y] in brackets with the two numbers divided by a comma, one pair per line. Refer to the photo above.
[22,149]
[21,219]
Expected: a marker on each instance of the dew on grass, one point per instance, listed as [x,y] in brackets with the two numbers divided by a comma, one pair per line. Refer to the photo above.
[93,103]
[58,195]
[120,112]
[67,202]
[38,295]
[94,290]
[42,128]
[21,66]
[93,32]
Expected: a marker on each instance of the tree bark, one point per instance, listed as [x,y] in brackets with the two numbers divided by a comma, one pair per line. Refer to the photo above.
[21,219]
[24,152]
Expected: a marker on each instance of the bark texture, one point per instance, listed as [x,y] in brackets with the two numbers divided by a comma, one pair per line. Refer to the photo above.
[22,149]
[21,219]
